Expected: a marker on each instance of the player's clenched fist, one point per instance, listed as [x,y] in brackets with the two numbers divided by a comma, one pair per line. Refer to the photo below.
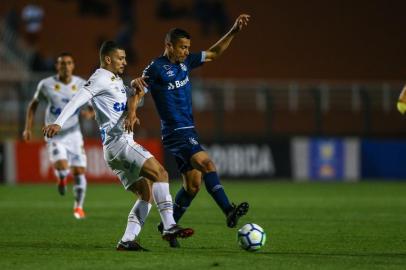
[51,130]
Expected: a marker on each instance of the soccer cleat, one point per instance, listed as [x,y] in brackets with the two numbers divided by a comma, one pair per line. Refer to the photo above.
[130,246]
[234,215]
[176,231]
[62,186]
[78,213]
[173,242]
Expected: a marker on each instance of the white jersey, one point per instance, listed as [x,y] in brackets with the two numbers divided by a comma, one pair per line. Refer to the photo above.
[57,94]
[108,96]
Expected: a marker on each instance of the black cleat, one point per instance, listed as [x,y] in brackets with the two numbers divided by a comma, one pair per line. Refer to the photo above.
[173,242]
[176,231]
[130,246]
[234,215]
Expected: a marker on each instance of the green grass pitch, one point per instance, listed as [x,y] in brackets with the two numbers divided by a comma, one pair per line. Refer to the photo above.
[308,226]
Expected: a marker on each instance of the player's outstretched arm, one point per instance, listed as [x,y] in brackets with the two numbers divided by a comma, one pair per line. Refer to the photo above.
[401,105]
[131,119]
[29,119]
[81,98]
[220,46]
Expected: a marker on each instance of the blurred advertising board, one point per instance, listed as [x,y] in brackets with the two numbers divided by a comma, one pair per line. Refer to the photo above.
[248,160]
[32,164]
[325,159]
[383,159]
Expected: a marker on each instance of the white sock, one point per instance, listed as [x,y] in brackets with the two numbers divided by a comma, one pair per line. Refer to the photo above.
[61,174]
[163,200]
[79,190]
[136,220]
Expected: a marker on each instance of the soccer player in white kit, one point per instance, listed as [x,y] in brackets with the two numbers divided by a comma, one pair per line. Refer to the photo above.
[65,150]
[133,164]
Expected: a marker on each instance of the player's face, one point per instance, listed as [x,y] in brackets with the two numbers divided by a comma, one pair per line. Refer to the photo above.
[65,66]
[180,50]
[118,61]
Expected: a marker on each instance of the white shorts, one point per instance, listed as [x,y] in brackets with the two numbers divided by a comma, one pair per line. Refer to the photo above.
[67,147]
[126,158]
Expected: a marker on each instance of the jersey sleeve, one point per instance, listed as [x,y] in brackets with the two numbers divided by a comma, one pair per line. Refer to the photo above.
[195,60]
[39,93]
[82,97]
[149,72]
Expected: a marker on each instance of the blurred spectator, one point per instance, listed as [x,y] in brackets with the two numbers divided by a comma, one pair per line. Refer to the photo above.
[94,7]
[32,16]
[41,64]
[124,38]
[167,10]
[212,14]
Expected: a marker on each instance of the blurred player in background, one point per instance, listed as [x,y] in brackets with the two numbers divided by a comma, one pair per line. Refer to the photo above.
[66,150]
[167,78]
[402,101]
[134,165]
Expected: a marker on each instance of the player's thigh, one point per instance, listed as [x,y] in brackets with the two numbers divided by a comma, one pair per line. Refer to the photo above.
[202,162]
[192,180]
[126,158]
[75,150]
[58,155]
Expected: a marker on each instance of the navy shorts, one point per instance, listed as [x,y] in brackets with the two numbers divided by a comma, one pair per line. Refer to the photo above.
[183,144]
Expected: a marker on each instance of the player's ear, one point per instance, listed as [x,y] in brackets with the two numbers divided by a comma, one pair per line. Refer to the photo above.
[107,59]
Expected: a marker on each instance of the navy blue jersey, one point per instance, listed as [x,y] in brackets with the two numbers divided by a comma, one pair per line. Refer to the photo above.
[171,88]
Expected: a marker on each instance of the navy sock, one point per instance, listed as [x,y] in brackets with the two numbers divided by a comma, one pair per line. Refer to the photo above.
[216,190]
[182,202]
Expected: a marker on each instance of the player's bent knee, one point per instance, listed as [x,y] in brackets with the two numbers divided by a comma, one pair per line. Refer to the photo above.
[154,171]
[193,189]
[208,166]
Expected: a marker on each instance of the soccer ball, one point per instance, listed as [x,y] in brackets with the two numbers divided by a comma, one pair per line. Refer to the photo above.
[251,237]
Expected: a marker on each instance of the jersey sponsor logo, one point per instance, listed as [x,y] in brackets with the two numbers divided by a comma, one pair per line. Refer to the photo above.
[55,110]
[120,106]
[178,84]
[171,86]
[65,100]
[166,67]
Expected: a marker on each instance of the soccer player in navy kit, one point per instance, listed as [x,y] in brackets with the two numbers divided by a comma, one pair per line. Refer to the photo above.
[167,78]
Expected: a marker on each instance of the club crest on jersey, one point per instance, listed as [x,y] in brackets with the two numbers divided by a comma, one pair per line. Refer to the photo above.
[183,67]
[74,88]
[57,87]
[113,78]
[193,141]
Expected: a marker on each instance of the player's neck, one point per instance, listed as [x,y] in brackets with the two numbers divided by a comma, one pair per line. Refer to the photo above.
[65,79]
[109,69]
[171,59]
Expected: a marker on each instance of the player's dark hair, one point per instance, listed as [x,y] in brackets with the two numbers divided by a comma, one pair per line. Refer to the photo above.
[176,33]
[108,47]
[63,54]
